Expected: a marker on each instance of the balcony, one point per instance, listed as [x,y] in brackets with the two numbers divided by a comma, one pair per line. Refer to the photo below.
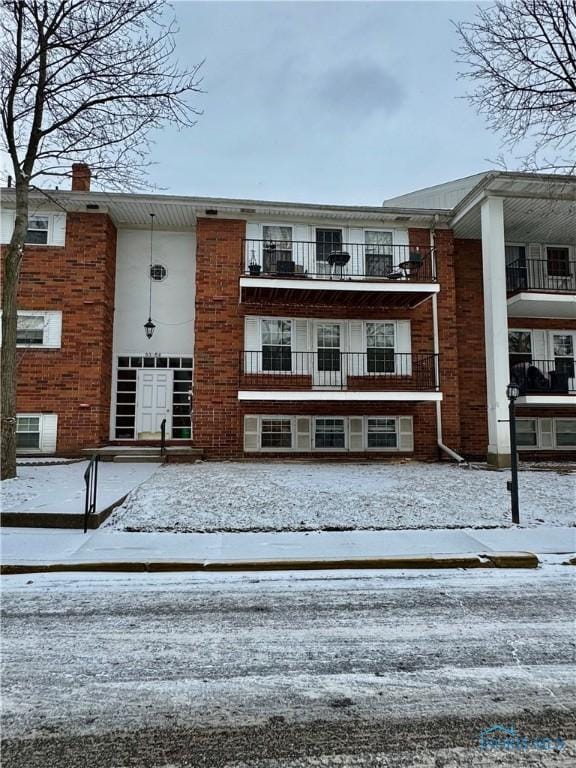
[333,375]
[396,276]
[545,382]
[541,288]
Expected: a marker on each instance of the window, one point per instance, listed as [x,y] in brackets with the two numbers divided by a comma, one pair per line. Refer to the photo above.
[565,433]
[381,433]
[526,433]
[37,232]
[563,348]
[39,329]
[380,347]
[558,261]
[378,253]
[276,433]
[328,342]
[277,248]
[327,242]
[158,272]
[28,432]
[30,329]
[276,345]
[546,434]
[329,433]
[519,347]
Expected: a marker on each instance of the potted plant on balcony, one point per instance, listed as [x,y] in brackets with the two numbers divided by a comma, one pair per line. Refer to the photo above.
[253,267]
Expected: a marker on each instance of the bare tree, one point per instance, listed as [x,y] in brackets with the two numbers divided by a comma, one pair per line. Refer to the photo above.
[521,58]
[81,80]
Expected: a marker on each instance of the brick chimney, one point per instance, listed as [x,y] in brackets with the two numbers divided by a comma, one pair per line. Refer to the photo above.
[81,175]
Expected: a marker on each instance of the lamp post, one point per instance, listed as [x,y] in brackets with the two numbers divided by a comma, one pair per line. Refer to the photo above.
[149,325]
[512,392]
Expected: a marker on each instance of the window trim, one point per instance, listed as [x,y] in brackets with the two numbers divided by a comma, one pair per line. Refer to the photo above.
[346,424]
[275,449]
[538,446]
[563,246]
[49,228]
[396,448]
[47,314]
[42,449]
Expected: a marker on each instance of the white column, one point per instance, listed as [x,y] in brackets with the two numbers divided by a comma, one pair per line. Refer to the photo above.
[495,329]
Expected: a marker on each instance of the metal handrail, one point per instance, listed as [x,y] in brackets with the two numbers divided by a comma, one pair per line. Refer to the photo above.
[91,491]
[163,438]
[540,275]
[376,370]
[307,259]
[544,376]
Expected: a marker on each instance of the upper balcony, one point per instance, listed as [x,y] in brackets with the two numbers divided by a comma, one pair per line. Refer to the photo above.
[396,276]
[542,287]
[329,374]
[545,382]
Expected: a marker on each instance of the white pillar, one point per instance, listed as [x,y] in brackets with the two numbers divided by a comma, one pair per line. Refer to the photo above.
[495,329]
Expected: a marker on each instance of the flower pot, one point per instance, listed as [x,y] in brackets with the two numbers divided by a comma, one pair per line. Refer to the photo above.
[255,269]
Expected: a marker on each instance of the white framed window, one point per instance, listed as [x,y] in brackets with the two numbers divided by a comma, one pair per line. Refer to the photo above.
[277,248]
[378,252]
[329,433]
[39,329]
[380,347]
[527,433]
[381,433]
[565,433]
[36,432]
[276,433]
[546,433]
[38,228]
[304,434]
[276,335]
[44,228]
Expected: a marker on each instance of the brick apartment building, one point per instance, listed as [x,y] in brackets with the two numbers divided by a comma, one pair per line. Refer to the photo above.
[295,330]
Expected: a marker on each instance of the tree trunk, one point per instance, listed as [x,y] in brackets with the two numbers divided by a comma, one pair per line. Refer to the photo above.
[10,278]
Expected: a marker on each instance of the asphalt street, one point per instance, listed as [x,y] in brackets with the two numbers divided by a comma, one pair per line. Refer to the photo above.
[314,669]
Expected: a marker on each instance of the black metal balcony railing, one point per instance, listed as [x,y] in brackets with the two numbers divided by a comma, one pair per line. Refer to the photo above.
[347,261]
[552,377]
[541,275]
[375,370]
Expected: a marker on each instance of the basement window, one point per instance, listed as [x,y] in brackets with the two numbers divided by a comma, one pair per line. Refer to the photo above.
[28,432]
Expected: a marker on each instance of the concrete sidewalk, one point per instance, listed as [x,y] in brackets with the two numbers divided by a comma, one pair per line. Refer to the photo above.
[21,547]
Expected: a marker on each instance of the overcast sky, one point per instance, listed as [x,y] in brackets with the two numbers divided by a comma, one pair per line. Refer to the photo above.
[348,102]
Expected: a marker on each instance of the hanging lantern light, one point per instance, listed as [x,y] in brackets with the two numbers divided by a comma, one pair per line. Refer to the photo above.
[149,325]
[149,328]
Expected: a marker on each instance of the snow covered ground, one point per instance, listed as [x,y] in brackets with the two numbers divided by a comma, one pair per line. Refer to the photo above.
[233,496]
[59,488]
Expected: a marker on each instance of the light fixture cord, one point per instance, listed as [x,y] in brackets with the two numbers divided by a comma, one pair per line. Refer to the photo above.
[150,271]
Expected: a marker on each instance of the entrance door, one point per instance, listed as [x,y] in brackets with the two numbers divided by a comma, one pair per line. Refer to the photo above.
[153,403]
[328,363]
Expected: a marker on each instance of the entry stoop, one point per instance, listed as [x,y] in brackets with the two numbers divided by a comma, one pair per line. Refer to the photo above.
[138,454]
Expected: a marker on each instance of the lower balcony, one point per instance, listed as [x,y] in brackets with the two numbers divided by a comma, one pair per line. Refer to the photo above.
[329,374]
[545,382]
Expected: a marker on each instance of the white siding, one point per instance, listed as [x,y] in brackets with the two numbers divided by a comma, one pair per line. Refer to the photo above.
[404,347]
[56,226]
[356,433]
[405,434]
[6,225]
[251,436]
[173,299]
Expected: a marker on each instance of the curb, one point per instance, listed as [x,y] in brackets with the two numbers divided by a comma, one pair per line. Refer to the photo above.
[487,560]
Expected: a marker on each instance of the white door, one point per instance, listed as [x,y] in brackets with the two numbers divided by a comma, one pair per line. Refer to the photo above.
[328,359]
[153,403]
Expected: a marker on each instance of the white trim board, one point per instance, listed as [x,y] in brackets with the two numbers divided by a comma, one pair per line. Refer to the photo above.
[320,284]
[547,400]
[323,395]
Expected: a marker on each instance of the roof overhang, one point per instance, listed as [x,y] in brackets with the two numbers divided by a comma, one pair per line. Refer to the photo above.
[182,212]
[537,207]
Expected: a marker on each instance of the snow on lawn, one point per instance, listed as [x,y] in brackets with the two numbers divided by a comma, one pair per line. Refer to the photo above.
[229,496]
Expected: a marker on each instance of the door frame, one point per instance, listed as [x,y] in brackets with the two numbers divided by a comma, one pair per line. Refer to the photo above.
[155,372]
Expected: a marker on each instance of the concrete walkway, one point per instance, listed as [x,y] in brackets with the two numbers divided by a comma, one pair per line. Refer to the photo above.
[26,547]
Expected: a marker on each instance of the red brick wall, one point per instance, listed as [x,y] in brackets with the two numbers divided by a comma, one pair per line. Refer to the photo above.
[471,347]
[218,415]
[73,381]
